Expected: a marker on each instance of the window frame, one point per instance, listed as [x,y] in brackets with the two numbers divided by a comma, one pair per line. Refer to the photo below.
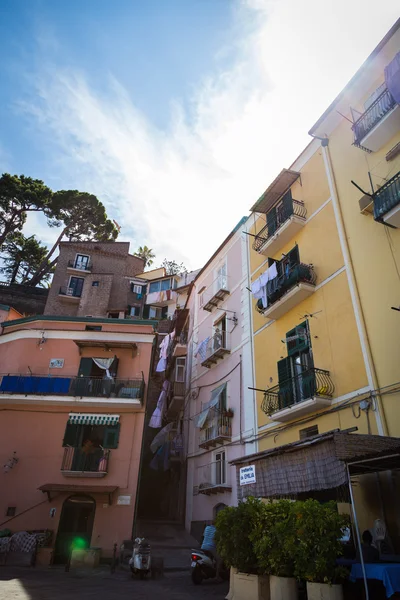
[70,287]
[222,468]
[180,363]
[84,256]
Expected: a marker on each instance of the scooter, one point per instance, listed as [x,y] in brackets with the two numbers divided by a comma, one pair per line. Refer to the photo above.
[204,566]
[140,562]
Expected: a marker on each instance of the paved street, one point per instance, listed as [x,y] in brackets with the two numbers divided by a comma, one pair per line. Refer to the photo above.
[50,584]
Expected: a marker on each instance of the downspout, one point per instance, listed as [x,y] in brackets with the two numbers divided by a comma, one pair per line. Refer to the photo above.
[360,321]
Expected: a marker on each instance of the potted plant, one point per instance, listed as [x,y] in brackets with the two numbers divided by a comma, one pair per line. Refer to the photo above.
[234,525]
[319,529]
[274,538]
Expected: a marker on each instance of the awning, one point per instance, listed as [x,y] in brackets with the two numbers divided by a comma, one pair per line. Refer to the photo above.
[108,346]
[316,464]
[78,489]
[92,419]
[201,418]
[278,187]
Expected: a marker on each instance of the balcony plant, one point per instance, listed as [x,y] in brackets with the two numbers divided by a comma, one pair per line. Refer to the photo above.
[318,532]
[234,526]
[274,539]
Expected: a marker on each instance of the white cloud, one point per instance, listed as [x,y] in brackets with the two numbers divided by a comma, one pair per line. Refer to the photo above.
[181,191]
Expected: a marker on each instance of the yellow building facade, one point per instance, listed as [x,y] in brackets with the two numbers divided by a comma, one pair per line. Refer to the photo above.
[325,274]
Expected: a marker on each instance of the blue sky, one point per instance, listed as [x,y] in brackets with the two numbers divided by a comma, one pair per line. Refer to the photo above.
[175,113]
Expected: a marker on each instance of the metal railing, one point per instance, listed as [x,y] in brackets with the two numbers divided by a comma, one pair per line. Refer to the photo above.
[79,460]
[278,287]
[218,344]
[73,264]
[71,386]
[374,113]
[213,475]
[68,291]
[387,197]
[218,428]
[308,384]
[276,218]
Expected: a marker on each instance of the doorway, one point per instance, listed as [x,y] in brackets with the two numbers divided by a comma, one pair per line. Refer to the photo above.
[76,523]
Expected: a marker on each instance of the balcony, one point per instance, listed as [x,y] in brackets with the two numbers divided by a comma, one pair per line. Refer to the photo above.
[283,222]
[70,294]
[301,395]
[177,399]
[217,431]
[287,290]
[216,349]
[214,298]
[75,265]
[180,348]
[77,463]
[378,124]
[162,298]
[387,202]
[78,387]
[213,478]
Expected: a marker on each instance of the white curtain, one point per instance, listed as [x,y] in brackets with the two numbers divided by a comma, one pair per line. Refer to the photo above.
[105,364]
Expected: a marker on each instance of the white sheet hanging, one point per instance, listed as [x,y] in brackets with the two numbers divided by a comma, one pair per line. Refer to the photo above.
[105,364]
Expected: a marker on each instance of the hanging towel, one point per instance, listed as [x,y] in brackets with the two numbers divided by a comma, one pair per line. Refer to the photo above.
[272,272]
[157,416]
[202,349]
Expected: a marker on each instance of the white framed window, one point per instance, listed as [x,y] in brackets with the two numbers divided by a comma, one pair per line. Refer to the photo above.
[221,279]
[220,468]
[155,312]
[180,367]
[81,262]
[137,289]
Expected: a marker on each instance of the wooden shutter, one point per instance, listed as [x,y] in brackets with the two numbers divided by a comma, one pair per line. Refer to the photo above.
[299,344]
[285,383]
[164,312]
[287,204]
[272,221]
[85,367]
[293,256]
[71,435]
[111,436]
[114,367]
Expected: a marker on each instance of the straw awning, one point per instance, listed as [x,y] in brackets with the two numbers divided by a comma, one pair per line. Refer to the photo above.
[317,463]
[278,187]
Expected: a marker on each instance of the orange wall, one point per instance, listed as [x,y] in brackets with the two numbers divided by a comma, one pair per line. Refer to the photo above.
[36,435]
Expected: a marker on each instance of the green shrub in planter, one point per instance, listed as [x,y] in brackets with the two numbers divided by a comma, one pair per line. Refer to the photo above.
[234,525]
[274,538]
[318,531]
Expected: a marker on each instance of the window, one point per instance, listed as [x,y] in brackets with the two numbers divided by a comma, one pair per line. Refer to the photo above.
[295,373]
[136,289]
[165,285]
[155,312]
[134,311]
[155,286]
[99,436]
[180,369]
[308,432]
[75,286]
[93,328]
[220,468]
[95,283]
[81,262]
[113,315]
[219,335]
[11,510]
[221,282]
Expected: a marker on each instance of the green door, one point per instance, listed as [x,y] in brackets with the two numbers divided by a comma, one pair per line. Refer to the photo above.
[75,527]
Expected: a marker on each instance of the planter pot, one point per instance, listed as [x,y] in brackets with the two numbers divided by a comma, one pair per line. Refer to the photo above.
[324,591]
[248,587]
[231,593]
[283,588]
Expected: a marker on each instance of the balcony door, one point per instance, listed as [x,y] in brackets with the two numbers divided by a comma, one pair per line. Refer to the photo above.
[76,285]
[220,468]
[296,372]
[76,524]
[81,262]
[219,336]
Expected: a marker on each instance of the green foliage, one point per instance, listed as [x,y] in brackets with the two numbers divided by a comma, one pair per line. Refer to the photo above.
[19,195]
[234,526]
[22,257]
[318,531]
[172,267]
[147,254]
[274,538]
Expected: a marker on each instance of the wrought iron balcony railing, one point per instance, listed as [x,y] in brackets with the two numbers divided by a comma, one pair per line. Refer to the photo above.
[278,287]
[213,478]
[371,117]
[78,461]
[73,264]
[275,219]
[387,197]
[217,430]
[306,385]
[68,291]
[43,385]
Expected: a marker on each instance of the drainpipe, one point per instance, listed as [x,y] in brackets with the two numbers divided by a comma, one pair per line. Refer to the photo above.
[360,321]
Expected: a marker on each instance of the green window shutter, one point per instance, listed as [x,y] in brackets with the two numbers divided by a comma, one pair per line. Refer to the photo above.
[114,367]
[85,367]
[300,344]
[294,256]
[272,221]
[287,203]
[71,435]
[111,436]
[285,383]
[146,310]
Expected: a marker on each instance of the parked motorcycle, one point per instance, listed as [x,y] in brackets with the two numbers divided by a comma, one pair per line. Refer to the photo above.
[204,566]
[140,562]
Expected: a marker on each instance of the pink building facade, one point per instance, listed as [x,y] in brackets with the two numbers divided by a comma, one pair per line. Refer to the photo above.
[72,398]
[220,414]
